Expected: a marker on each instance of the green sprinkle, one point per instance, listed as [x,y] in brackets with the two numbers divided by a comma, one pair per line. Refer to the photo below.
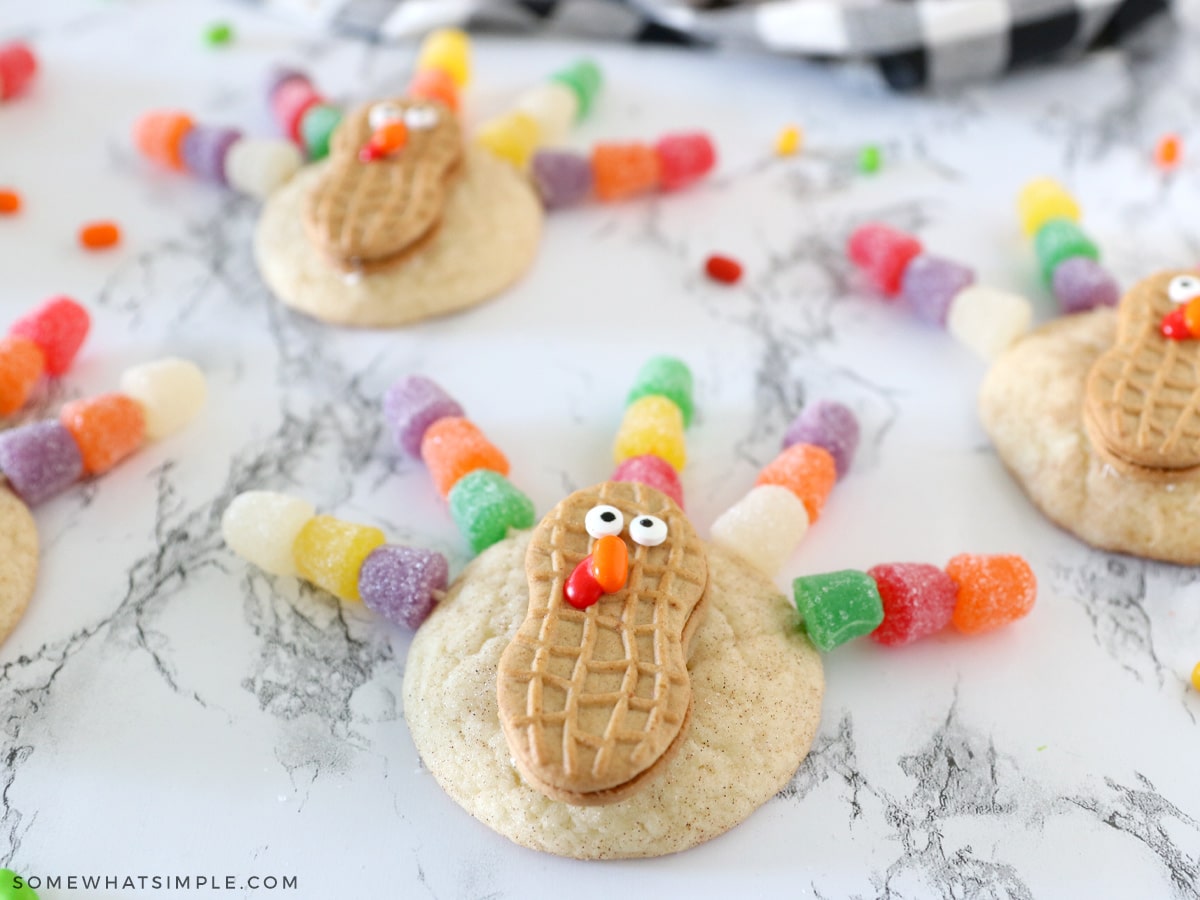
[870,159]
[218,34]
[1043,747]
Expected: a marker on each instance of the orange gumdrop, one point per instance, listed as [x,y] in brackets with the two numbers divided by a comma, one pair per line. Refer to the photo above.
[624,170]
[99,235]
[159,135]
[807,471]
[21,365]
[454,447]
[434,84]
[992,591]
[107,429]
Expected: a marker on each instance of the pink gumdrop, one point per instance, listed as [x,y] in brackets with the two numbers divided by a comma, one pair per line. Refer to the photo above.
[918,600]
[684,158]
[883,253]
[654,472]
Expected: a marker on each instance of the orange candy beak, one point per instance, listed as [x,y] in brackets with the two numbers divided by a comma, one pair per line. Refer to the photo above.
[386,140]
[1191,316]
[610,563]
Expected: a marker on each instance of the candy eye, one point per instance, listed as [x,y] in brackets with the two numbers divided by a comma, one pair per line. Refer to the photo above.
[1184,288]
[603,520]
[420,118]
[649,531]
[382,113]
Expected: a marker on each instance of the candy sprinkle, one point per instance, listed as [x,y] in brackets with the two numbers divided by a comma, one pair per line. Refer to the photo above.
[99,235]
[870,159]
[1196,677]
[789,140]
[723,269]
[10,202]
[218,34]
[1168,152]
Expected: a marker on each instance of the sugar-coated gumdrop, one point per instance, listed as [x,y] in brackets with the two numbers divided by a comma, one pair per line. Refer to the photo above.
[262,526]
[828,424]
[624,170]
[918,600]
[554,107]
[99,235]
[931,283]
[512,137]
[665,376]
[838,606]
[453,447]
[724,269]
[1080,284]
[652,425]
[204,150]
[1059,240]
[684,158]
[992,591]
[434,84]
[290,101]
[107,429]
[21,365]
[159,135]
[883,253]
[808,471]
[764,527]
[330,553]
[653,471]
[18,65]
[59,327]
[485,506]
[39,460]
[562,178]
[316,128]
[584,78]
[1044,199]
[448,49]
[401,583]
[278,76]
[257,166]
[988,321]
[9,891]
[411,405]
[171,392]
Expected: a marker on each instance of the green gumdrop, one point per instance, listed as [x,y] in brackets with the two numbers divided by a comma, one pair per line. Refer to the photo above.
[838,606]
[1059,240]
[9,890]
[584,79]
[665,376]
[485,505]
[316,128]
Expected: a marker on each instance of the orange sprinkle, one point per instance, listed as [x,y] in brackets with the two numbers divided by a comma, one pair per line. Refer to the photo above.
[99,235]
[1168,152]
[10,202]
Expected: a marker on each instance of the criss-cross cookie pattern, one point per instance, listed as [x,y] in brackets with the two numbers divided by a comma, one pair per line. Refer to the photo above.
[606,689]
[1145,391]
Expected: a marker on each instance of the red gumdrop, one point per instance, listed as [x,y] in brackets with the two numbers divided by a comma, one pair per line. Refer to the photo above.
[582,589]
[59,327]
[653,471]
[684,158]
[883,253]
[918,600]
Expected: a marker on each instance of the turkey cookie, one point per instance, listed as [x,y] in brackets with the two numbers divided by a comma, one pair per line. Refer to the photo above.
[18,560]
[702,765]
[1098,417]
[386,237]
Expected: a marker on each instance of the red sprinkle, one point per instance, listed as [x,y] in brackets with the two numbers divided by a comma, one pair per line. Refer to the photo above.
[723,269]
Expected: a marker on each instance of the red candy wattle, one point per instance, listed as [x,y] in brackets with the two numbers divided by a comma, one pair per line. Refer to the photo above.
[58,327]
[1174,326]
[582,589]
[918,600]
[883,253]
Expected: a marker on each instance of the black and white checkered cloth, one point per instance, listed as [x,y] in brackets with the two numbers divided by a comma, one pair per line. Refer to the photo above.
[915,43]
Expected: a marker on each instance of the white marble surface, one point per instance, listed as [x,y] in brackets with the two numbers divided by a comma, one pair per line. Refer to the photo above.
[168,711]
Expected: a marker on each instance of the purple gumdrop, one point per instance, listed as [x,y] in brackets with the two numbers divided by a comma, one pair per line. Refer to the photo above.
[411,405]
[654,472]
[399,583]
[561,177]
[204,149]
[1081,284]
[278,76]
[40,460]
[828,424]
[931,283]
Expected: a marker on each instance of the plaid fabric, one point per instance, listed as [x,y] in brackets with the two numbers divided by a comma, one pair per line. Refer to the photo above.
[915,43]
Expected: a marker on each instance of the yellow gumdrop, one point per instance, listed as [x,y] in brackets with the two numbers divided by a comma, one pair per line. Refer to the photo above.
[513,137]
[448,49]
[329,553]
[654,425]
[1044,199]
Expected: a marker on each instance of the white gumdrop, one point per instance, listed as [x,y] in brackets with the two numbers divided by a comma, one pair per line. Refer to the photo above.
[987,320]
[764,527]
[554,107]
[261,527]
[170,391]
[257,166]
